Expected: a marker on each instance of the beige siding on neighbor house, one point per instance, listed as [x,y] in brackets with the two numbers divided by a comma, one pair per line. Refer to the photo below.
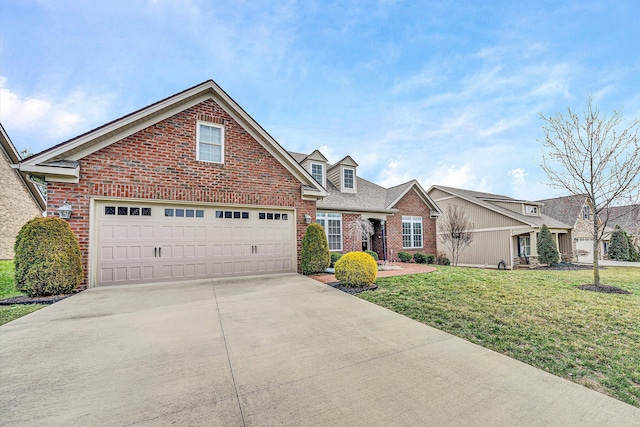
[488,248]
[436,194]
[17,206]
[479,215]
[515,207]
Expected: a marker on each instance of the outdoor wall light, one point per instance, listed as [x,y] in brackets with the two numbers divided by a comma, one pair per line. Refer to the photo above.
[64,211]
[307,218]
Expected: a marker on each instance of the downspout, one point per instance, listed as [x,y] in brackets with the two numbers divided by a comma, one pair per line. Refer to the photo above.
[384,241]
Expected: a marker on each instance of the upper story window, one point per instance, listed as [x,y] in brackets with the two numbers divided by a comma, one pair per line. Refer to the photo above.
[348,178]
[586,212]
[530,210]
[210,145]
[317,172]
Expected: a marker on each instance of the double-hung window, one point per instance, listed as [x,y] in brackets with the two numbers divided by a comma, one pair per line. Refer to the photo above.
[524,246]
[411,232]
[210,145]
[317,172]
[332,224]
[348,178]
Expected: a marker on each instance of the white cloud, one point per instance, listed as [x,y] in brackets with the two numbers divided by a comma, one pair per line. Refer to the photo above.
[44,119]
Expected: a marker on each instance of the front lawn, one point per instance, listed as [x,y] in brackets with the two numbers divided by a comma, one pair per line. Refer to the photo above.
[537,317]
[7,290]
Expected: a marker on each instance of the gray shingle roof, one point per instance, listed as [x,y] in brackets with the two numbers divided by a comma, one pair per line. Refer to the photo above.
[627,217]
[566,209]
[485,199]
[370,197]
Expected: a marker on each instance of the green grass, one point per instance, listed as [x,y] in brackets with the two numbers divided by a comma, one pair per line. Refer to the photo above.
[537,317]
[8,290]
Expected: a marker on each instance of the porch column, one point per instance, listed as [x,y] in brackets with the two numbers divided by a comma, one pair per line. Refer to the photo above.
[557,238]
[534,243]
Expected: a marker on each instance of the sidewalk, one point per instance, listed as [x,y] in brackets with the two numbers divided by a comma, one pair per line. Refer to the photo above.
[406,268]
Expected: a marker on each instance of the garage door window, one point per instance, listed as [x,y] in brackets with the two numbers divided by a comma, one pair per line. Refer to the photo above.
[232,215]
[183,213]
[273,216]
[126,210]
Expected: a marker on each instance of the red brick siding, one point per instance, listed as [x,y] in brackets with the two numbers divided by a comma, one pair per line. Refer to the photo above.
[159,163]
[411,204]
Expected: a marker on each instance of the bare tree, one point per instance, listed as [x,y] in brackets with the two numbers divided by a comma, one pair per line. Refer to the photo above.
[359,230]
[596,156]
[456,230]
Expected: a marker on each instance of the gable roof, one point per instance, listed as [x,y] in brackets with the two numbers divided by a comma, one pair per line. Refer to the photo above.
[485,200]
[346,161]
[14,157]
[61,161]
[565,209]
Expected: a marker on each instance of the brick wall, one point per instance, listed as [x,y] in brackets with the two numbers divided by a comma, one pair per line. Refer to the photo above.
[411,204]
[17,206]
[159,163]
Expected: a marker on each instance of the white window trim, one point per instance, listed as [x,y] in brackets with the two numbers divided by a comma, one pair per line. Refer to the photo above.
[325,217]
[524,246]
[413,220]
[530,210]
[215,125]
[344,169]
[311,165]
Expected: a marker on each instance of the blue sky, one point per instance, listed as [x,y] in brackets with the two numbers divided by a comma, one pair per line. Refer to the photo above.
[448,92]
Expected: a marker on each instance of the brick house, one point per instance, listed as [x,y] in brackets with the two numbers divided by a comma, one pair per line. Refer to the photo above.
[403,217]
[20,199]
[192,187]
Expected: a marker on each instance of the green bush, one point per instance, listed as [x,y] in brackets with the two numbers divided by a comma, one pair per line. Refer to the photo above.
[315,256]
[441,259]
[618,245]
[420,258]
[356,269]
[334,258]
[405,256]
[47,258]
[547,250]
[373,254]
[431,259]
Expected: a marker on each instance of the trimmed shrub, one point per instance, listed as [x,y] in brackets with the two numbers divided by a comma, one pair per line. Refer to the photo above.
[334,258]
[618,245]
[315,256]
[356,269]
[547,250]
[47,258]
[373,254]
[420,258]
[405,256]
[441,259]
[431,259]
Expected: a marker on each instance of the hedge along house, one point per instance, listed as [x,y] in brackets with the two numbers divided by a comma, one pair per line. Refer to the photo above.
[403,217]
[188,187]
[505,229]
[20,199]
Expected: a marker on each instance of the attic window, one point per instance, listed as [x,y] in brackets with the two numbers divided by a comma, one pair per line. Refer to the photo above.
[317,172]
[586,212]
[348,176]
[530,210]
[210,143]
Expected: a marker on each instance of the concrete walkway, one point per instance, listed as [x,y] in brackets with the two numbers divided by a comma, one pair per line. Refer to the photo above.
[278,351]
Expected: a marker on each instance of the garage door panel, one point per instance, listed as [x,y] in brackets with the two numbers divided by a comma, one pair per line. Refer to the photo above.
[172,242]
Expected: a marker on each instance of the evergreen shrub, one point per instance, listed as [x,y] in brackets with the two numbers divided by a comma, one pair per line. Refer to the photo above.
[373,254]
[315,256]
[618,245]
[356,269]
[405,256]
[547,250]
[335,256]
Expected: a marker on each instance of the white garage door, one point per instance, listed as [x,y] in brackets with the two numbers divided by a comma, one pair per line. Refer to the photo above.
[584,250]
[138,242]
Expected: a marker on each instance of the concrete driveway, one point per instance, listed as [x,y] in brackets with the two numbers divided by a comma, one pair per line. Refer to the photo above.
[280,350]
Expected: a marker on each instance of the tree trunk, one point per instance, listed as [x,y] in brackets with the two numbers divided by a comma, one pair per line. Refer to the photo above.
[596,250]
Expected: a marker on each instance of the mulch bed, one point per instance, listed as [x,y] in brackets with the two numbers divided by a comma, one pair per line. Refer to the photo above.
[566,267]
[352,290]
[603,288]
[33,300]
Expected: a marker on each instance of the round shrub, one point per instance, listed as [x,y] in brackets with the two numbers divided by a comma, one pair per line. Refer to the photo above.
[315,256]
[47,258]
[420,258]
[334,258]
[373,254]
[356,269]
[405,256]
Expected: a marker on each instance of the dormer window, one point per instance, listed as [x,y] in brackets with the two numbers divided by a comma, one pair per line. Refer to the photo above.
[348,178]
[530,210]
[317,172]
[586,212]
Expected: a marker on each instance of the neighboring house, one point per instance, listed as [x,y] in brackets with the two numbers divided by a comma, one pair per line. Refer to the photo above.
[189,187]
[20,199]
[627,217]
[577,211]
[403,217]
[505,229]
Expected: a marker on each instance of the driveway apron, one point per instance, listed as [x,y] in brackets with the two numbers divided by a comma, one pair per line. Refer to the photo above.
[277,350]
